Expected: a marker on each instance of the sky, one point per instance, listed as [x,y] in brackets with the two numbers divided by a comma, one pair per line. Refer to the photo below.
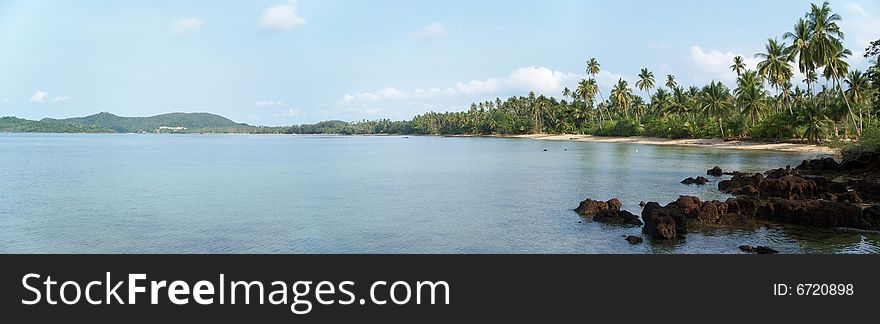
[277,62]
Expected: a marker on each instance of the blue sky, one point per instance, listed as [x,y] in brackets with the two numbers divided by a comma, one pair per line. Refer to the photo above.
[280,62]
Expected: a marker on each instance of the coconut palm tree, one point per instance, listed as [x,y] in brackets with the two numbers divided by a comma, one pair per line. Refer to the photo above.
[670,82]
[749,95]
[835,68]
[774,66]
[621,96]
[645,82]
[810,78]
[739,65]
[716,103]
[825,45]
[858,85]
[800,47]
[815,120]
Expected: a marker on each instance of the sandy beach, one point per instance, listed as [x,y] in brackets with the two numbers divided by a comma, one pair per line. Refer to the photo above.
[711,143]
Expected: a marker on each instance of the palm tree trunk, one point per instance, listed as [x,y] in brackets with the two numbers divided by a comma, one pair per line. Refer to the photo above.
[723,138]
[851,113]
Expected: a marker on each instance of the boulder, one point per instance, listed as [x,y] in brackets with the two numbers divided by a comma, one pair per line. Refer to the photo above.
[818,213]
[757,249]
[741,180]
[788,187]
[715,172]
[697,181]
[613,216]
[850,197]
[663,222]
[632,239]
[818,166]
[590,207]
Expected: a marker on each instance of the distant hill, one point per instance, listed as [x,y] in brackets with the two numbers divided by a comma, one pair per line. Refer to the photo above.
[174,122]
[18,125]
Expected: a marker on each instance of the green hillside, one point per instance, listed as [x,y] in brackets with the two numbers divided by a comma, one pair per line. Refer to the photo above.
[18,125]
[174,122]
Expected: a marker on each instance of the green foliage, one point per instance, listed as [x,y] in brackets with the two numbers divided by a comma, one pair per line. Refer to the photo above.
[780,126]
[194,122]
[868,144]
[18,125]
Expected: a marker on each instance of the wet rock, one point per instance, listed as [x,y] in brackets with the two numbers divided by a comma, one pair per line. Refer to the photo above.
[757,249]
[612,216]
[765,250]
[818,213]
[788,187]
[818,166]
[741,180]
[781,172]
[642,204]
[748,190]
[850,197]
[591,207]
[697,181]
[632,239]
[715,172]
[663,222]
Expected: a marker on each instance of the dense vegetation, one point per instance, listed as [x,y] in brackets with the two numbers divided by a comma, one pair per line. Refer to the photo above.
[18,125]
[834,102]
[192,122]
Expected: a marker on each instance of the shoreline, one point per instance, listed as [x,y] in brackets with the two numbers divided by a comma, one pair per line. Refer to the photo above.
[705,143]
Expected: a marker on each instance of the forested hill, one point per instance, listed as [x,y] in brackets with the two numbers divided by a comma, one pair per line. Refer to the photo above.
[180,122]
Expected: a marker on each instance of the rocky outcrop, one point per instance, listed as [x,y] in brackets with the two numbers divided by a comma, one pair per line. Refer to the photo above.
[757,249]
[715,172]
[663,222]
[819,213]
[632,239]
[697,181]
[613,216]
[818,166]
[591,207]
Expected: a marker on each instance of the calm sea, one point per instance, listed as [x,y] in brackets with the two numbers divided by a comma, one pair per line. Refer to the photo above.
[335,194]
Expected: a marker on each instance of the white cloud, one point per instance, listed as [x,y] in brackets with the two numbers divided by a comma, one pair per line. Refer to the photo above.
[716,64]
[292,113]
[43,97]
[281,17]
[856,8]
[268,103]
[39,96]
[433,30]
[392,102]
[187,25]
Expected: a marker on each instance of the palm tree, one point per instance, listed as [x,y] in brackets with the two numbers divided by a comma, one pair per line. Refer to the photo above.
[810,78]
[593,69]
[800,48]
[815,119]
[715,103]
[774,66]
[670,82]
[825,45]
[739,65]
[621,96]
[835,68]
[858,85]
[645,82]
[750,95]
[661,101]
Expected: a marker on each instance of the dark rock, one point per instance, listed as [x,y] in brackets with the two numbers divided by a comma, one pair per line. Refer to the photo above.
[545,150]
[757,249]
[741,180]
[850,197]
[818,166]
[697,181]
[642,204]
[788,187]
[613,216]
[663,222]
[715,172]
[818,213]
[765,250]
[632,239]
[748,190]
[590,207]
[781,172]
